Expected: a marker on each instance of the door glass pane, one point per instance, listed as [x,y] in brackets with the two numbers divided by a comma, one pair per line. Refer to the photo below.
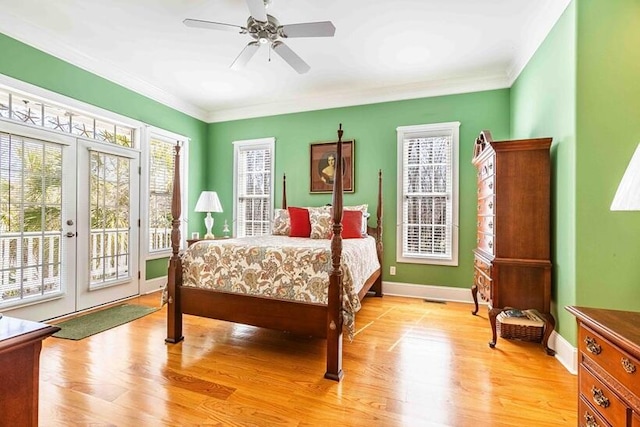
[109,189]
[30,219]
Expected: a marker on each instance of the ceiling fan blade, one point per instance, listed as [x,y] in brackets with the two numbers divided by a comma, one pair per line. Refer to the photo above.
[257,10]
[309,29]
[290,57]
[198,23]
[246,54]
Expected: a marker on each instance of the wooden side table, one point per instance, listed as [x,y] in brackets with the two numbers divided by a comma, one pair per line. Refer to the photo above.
[20,345]
[192,241]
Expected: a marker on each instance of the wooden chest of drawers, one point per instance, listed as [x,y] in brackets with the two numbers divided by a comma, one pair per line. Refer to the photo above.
[609,373]
[512,266]
[20,345]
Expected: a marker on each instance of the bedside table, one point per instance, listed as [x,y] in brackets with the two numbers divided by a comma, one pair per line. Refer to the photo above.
[192,241]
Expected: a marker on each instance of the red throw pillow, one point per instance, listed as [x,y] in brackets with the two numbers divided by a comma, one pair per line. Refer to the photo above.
[351,224]
[300,223]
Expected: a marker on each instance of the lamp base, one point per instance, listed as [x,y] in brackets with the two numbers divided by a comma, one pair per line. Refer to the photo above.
[208,223]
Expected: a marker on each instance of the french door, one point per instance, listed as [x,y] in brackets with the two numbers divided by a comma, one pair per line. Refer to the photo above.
[107,238]
[68,223]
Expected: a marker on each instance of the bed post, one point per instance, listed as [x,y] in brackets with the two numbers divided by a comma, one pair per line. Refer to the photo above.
[334,304]
[377,285]
[174,277]
[284,191]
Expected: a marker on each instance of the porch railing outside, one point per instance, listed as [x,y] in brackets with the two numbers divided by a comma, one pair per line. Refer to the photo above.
[31,263]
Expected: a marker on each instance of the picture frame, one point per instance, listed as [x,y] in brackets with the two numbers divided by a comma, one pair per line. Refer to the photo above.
[321,171]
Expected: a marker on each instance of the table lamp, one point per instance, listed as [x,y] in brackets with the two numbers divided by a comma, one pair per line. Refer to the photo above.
[627,197]
[208,202]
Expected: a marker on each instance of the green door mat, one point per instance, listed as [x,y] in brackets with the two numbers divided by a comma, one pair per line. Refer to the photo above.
[99,321]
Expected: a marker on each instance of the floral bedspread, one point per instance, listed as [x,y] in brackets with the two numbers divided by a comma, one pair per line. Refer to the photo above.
[281,267]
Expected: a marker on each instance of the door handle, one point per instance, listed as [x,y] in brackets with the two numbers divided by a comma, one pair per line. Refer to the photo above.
[70,234]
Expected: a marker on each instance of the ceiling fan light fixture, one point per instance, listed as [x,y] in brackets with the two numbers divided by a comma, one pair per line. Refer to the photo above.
[263,37]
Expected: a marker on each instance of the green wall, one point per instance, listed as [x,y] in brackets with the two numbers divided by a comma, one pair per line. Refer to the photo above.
[374,129]
[581,87]
[608,130]
[543,104]
[25,63]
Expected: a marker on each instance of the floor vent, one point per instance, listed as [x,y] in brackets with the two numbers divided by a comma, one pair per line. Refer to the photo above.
[434,301]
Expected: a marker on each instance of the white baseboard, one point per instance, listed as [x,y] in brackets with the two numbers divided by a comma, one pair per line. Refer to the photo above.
[152,285]
[436,293]
[566,354]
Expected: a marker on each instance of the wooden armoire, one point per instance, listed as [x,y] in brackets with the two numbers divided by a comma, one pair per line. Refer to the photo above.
[512,266]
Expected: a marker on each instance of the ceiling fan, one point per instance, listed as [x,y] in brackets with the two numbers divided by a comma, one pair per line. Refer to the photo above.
[265,29]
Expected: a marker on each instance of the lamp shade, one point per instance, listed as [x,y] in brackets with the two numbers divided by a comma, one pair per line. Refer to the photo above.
[208,202]
[627,197]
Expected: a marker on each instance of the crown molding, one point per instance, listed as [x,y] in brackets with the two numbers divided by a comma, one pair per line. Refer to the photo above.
[43,40]
[363,97]
[535,36]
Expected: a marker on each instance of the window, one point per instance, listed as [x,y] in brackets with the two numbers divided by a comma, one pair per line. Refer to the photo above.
[428,190]
[35,111]
[160,189]
[253,186]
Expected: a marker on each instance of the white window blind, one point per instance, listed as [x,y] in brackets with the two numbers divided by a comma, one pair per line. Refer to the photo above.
[253,186]
[31,207]
[428,163]
[161,170]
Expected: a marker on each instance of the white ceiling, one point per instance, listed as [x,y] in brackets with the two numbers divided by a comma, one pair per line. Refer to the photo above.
[382,50]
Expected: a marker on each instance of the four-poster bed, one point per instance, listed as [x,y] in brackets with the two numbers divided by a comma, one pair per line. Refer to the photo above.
[322,320]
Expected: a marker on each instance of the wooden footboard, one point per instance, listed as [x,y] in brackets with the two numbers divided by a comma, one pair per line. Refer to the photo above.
[324,321]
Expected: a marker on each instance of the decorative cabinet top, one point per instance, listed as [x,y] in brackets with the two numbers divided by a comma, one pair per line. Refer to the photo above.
[483,142]
[485,145]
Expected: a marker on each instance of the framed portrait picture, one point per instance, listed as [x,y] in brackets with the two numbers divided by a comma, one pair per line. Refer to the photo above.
[322,166]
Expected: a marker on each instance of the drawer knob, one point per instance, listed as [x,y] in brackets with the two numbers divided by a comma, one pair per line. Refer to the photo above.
[599,397]
[590,420]
[490,205]
[490,224]
[491,186]
[593,346]
[628,366]
[490,245]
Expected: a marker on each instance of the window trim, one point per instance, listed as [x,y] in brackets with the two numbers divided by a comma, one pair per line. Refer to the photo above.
[415,131]
[259,143]
[148,133]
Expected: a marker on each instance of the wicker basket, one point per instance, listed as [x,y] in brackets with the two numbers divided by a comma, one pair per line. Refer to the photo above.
[530,328]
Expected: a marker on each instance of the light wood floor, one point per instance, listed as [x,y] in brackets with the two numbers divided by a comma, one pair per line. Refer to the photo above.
[412,363]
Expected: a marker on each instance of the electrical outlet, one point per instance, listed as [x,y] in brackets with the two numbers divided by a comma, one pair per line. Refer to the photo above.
[392,270]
